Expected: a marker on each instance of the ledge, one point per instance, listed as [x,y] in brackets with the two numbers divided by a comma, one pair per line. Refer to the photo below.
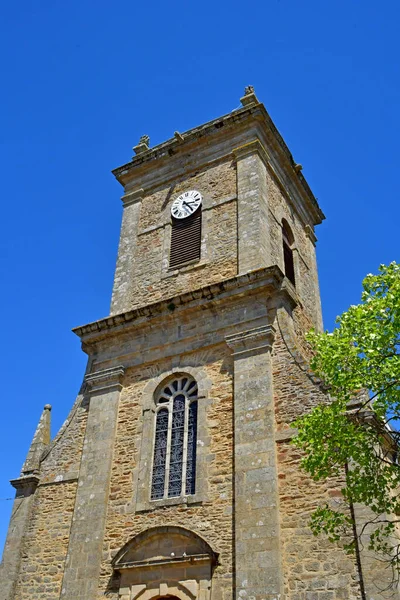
[255,112]
[285,435]
[165,149]
[251,341]
[105,379]
[190,559]
[27,484]
[196,499]
[270,276]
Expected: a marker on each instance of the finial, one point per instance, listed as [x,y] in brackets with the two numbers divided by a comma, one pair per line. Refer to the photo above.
[143,145]
[144,139]
[40,441]
[178,136]
[249,96]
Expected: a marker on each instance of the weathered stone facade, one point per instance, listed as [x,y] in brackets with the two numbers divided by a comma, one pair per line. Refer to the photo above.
[84,525]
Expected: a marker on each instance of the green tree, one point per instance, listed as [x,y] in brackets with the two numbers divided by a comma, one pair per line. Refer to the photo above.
[355,435]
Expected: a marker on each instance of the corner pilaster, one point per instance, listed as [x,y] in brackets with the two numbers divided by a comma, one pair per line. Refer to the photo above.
[254,250]
[126,252]
[318,323]
[22,508]
[88,522]
[256,515]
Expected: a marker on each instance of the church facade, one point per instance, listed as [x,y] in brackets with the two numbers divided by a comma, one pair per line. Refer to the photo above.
[174,475]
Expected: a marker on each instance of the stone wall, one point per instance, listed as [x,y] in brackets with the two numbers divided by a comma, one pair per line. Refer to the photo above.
[152,280]
[314,568]
[210,518]
[304,251]
[62,461]
[46,542]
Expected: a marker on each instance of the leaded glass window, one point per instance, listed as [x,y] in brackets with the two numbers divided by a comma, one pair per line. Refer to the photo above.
[174,459]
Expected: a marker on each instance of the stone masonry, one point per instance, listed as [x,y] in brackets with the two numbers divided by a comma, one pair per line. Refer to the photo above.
[84,526]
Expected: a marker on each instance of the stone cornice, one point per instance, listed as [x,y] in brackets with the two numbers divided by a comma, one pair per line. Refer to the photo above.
[105,380]
[25,485]
[252,341]
[272,277]
[160,562]
[288,293]
[255,146]
[165,149]
[133,197]
[310,234]
[256,114]
[251,148]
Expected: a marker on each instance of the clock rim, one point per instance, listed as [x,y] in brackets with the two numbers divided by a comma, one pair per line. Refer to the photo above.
[195,210]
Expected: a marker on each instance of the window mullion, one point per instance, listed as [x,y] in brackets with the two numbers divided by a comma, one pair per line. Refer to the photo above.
[185,444]
[169,438]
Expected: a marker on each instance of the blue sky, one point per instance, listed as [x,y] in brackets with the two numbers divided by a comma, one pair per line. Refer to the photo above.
[81,81]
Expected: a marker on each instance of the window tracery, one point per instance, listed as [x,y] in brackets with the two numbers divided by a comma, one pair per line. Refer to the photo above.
[174,458]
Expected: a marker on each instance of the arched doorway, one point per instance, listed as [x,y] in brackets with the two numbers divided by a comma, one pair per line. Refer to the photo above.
[165,563]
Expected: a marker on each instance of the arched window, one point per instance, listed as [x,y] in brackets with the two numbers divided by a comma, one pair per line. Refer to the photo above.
[185,240]
[174,459]
[288,241]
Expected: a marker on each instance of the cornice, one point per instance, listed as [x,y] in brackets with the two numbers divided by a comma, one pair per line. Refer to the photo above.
[26,484]
[132,197]
[105,380]
[310,234]
[166,149]
[254,113]
[271,277]
[251,341]
[250,148]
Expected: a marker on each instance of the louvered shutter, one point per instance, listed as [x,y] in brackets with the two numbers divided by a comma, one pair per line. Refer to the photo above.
[185,240]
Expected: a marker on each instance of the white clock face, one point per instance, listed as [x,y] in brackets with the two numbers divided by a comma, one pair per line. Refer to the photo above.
[186,204]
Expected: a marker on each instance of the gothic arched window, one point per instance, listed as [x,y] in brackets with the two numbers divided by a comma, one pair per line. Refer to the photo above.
[174,459]
[288,241]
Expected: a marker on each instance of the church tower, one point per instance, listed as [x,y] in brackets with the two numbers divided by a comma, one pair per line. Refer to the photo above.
[173,475]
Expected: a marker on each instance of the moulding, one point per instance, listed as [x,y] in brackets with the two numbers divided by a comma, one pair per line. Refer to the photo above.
[106,379]
[259,339]
[255,146]
[310,234]
[269,276]
[27,484]
[133,197]
[170,153]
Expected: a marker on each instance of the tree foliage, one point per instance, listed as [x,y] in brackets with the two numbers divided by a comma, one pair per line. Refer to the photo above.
[355,434]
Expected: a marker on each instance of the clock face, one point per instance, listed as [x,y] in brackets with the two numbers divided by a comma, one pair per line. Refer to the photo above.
[186,204]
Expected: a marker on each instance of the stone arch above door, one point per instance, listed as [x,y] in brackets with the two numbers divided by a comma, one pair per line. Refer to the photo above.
[165,562]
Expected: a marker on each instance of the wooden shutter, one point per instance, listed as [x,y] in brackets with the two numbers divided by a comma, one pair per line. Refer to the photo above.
[185,240]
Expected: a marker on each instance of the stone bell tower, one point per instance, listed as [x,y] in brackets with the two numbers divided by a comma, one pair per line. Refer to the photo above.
[173,475]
